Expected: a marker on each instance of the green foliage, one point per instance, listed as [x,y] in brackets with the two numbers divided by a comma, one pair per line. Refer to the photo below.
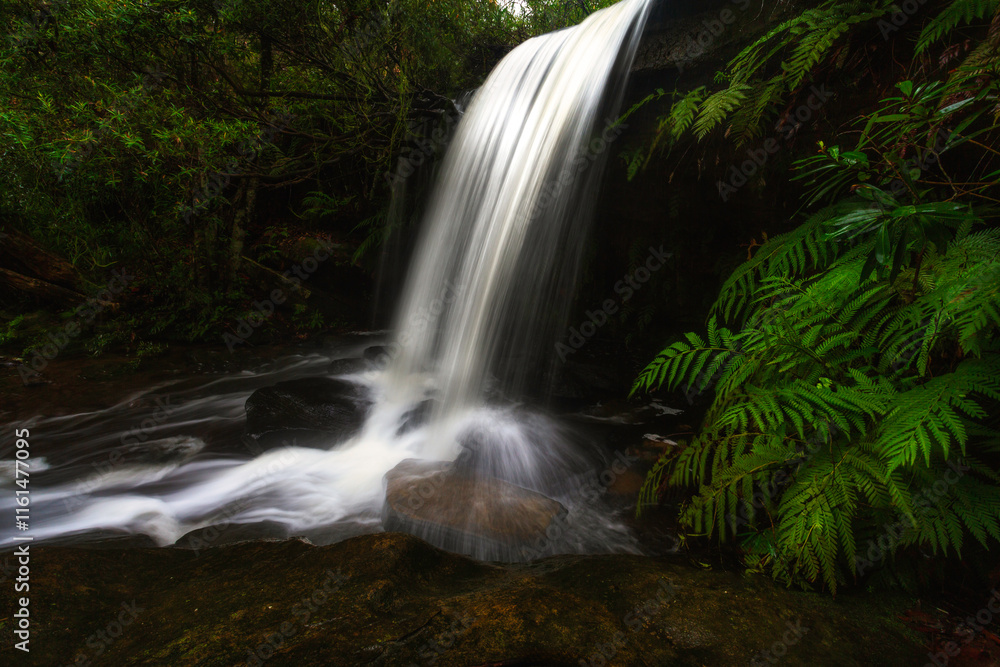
[305,318]
[803,41]
[683,113]
[320,205]
[9,333]
[716,107]
[854,362]
[853,368]
[766,73]
[777,66]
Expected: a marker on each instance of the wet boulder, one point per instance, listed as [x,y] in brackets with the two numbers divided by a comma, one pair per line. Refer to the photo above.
[350,366]
[416,417]
[377,354]
[456,509]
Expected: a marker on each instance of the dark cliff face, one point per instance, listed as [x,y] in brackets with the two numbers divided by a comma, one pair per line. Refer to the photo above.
[674,200]
[665,11]
[683,36]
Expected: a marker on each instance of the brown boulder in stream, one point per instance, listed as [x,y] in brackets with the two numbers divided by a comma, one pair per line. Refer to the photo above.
[458,510]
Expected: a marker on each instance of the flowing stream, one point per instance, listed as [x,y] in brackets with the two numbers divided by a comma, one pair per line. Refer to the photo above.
[485,299]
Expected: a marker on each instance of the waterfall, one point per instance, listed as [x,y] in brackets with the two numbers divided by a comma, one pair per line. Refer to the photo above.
[492,277]
[508,218]
[491,281]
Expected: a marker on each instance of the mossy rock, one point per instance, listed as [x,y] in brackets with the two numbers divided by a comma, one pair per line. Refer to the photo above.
[391,599]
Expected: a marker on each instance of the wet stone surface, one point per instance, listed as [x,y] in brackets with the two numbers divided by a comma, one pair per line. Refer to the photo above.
[391,599]
[321,410]
[461,511]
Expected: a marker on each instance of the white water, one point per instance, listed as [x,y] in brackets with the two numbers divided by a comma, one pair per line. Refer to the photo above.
[492,277]
[504,226]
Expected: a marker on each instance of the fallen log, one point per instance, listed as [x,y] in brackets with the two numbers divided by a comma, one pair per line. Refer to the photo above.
[40,289]
[22,255]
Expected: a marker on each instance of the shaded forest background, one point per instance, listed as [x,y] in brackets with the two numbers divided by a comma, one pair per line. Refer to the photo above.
[204,146]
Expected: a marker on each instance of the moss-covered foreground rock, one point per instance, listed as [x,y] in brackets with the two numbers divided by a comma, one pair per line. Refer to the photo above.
[390,599]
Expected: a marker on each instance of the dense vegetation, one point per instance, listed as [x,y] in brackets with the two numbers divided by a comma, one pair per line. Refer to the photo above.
[854,362]
[186,140]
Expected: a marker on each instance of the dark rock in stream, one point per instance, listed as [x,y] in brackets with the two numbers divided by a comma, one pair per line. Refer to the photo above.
[308,411]
[350,366]
[222,532]
[578,383]
[377,353]
[416,417]
[390,599]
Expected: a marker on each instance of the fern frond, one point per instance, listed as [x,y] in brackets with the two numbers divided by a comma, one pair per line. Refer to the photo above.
[717,107]
[956,13]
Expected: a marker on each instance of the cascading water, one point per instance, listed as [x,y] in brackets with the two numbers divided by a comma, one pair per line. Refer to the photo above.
[508,216]
[486,295]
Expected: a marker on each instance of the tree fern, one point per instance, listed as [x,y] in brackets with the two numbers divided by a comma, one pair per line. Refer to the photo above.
[769,70]
[800,387]
[853,363]
[932,416]
[717,106]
